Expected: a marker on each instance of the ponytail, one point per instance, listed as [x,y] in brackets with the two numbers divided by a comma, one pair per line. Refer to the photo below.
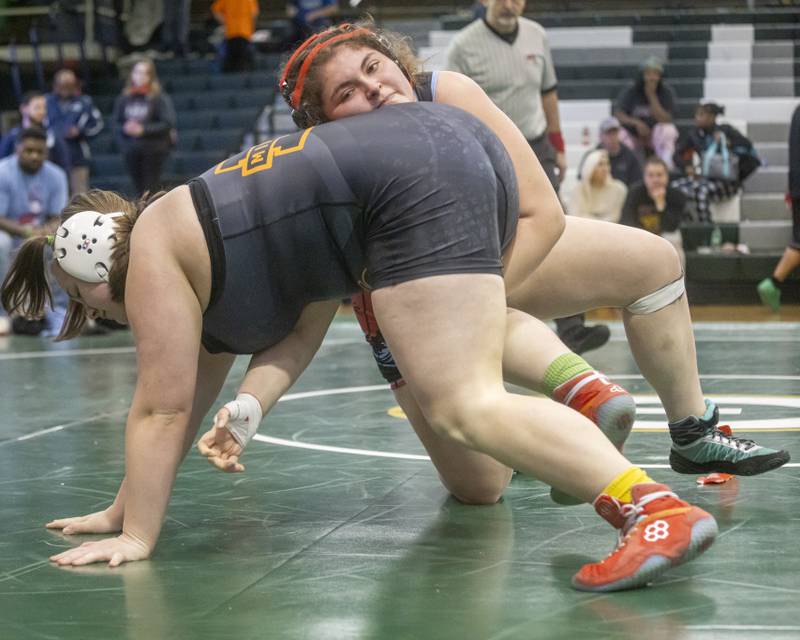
[25,288]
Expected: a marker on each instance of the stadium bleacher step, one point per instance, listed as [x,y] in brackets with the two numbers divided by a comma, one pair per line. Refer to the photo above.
[772,87]
[765,235]
[760,132]
[767,180]
[764,206]
[775,154]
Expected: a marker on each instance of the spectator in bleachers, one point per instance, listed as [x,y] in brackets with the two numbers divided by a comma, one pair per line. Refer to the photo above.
[310,16]
[74,117]
[714,159]
[510,58]
[238,18]
[646,110]
[33,110]
[655,206]
[597,195]
[32,190]
[175,27]
[770,289]
[625,166]
[145,126]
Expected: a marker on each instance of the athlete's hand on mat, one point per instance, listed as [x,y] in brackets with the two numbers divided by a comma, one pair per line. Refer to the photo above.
[219,445]
[106,521]
[115,551]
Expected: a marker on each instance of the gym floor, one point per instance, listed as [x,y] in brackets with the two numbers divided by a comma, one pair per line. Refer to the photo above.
[339,527]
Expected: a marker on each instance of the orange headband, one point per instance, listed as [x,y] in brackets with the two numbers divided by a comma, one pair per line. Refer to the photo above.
[297,52]
[294,99]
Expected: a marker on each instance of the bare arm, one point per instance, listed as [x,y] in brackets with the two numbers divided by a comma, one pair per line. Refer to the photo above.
[550,108]
[165,316]
[167,346]
[14,228]
[273,371]
[211,373]
[541,220]
[657,109]
[268,377]
[624,118]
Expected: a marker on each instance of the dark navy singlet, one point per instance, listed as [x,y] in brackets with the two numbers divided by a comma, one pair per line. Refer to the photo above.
[404,192]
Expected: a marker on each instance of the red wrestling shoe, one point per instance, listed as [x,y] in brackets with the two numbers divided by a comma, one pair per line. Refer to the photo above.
[661,531]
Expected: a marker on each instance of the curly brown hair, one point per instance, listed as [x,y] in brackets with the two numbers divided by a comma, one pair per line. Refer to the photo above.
[26,290]
[307,106]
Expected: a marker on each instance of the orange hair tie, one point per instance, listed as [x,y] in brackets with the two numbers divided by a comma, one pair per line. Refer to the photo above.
[294,100]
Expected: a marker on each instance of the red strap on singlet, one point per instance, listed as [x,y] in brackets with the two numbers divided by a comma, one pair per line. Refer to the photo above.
[294,100]
[362,308]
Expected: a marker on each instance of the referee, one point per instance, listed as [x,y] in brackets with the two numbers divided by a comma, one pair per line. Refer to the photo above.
[509,57]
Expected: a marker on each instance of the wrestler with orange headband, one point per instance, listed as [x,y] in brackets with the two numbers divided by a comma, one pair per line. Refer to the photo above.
[351,69]
[554,370]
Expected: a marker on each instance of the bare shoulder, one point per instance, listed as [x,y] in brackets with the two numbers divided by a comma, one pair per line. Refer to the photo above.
[455,88]
[173,209]
[169,222]
[168,237]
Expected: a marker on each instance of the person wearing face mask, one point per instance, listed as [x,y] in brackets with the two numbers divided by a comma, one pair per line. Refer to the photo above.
[646,110]
[598,195]
[145,126]
[73,115]
[32,191]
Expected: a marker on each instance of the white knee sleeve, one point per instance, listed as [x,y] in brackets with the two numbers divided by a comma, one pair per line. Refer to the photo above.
[659,299]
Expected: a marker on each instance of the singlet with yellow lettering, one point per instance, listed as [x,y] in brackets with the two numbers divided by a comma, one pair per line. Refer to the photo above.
[403,192]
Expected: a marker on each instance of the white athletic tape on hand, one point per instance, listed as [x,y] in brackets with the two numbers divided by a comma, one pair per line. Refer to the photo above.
[245,416]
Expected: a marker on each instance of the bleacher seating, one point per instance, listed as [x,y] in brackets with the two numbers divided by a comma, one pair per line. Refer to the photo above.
[214,113]
[745,60]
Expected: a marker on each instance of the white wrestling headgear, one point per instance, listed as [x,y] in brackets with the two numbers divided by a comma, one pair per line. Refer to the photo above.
[83,243]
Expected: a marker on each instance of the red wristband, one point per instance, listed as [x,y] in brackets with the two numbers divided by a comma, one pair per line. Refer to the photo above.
[557,140]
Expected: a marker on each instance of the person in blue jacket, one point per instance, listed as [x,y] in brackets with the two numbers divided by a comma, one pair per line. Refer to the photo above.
[73,116]
[33,109]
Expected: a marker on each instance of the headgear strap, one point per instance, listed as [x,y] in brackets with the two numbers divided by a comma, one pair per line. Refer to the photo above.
[294,99]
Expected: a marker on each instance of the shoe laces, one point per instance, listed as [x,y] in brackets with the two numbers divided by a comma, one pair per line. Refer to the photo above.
[634,513]
[728,439]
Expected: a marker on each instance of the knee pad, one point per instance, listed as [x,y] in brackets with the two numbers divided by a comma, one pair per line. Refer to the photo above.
[362,307]
[659,299]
